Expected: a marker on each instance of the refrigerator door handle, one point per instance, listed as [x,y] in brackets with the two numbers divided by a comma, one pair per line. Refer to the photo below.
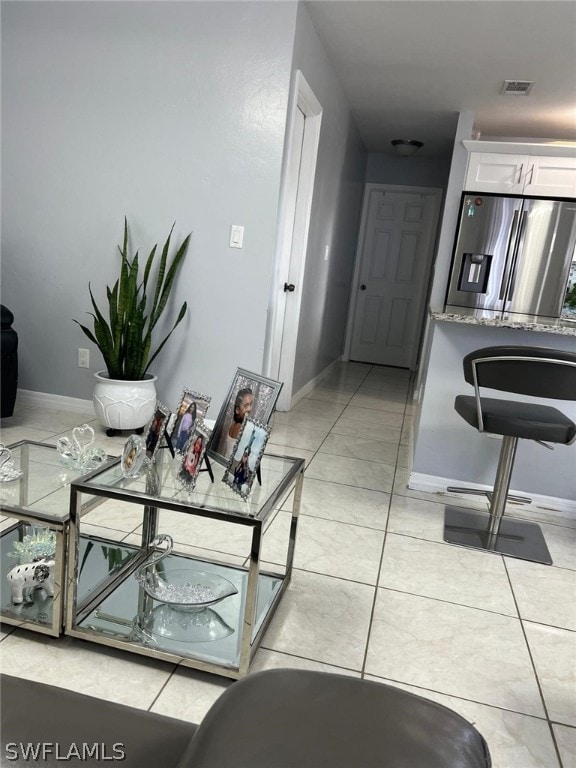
[508,258]
[514,269]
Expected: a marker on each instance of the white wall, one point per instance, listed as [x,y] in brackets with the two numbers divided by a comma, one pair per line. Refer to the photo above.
[161,111]
[416,171]
[451,210]
[444,243]
[335,213]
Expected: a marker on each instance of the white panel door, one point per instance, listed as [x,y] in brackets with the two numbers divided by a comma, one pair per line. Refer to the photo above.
[391,285]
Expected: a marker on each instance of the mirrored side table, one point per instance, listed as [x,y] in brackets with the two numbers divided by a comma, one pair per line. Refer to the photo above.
[36,510]
[113,608]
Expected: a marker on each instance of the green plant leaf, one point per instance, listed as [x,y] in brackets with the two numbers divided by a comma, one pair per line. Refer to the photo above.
[170,277]
[154,314]
[147,268]
[179,319]
[87,331]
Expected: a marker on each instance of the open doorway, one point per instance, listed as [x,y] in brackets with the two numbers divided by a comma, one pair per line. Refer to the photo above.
[303,134]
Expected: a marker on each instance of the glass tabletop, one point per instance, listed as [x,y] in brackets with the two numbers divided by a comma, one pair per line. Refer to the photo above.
[160,481]
[43,489]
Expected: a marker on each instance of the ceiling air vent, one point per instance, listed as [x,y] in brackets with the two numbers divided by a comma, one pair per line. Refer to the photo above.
[516,87]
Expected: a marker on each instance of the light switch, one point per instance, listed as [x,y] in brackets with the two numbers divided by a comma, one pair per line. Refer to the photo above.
[236,236]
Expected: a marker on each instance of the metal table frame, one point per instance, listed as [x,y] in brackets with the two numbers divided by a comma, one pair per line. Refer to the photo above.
[77,610]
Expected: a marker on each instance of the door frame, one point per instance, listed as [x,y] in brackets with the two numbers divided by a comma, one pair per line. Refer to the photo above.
[436,193]
[292,240]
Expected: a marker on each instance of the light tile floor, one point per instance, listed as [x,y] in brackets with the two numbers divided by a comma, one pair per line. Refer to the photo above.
[376,593]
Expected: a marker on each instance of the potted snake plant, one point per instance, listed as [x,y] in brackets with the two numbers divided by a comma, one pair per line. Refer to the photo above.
[124,332]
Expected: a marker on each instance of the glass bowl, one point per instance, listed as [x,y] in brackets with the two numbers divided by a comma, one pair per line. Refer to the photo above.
[164,623]
[184,588]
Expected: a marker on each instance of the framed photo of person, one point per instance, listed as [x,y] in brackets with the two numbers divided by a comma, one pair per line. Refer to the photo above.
[133,456]
[193,455]
[155,430]
[250,395]
[246,456]
[192,408]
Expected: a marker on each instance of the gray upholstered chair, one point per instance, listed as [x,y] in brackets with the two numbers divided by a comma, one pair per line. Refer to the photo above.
[280,718]
[536,372]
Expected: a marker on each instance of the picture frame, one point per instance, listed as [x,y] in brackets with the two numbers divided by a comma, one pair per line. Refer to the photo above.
[242,466]
[193,404]
[193,456]
[133,456]
[263,394]
[155,429]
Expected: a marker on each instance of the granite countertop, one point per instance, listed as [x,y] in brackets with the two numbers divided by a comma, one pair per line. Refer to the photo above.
[559,327]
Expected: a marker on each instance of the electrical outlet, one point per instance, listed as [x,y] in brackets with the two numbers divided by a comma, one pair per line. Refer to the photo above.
[83,358]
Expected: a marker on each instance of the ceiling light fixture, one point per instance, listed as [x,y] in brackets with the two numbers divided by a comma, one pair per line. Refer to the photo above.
[406,147]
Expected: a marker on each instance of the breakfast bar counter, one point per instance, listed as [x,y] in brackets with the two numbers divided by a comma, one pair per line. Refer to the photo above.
[560,327]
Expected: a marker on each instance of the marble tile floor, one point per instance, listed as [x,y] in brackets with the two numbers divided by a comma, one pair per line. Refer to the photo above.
[376,592]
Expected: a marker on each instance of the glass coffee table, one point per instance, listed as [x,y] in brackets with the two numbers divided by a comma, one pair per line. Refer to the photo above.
[37,510]
[108,604]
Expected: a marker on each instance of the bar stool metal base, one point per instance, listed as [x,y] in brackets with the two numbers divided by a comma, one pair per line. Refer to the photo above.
[516,538]
[489,494]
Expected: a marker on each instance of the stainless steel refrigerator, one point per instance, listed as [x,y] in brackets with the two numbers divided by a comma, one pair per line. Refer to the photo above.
[512,255]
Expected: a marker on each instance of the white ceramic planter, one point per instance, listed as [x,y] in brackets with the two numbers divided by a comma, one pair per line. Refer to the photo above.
[124,404]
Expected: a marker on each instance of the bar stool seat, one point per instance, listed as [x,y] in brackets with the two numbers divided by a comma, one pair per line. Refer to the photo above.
[533,371]
[529,421]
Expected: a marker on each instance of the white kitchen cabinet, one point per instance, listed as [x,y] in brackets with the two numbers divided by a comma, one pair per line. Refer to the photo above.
[517,174]
[551,177]
[495,172]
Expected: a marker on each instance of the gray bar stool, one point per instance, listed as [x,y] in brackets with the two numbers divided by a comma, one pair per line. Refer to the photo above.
[535,372]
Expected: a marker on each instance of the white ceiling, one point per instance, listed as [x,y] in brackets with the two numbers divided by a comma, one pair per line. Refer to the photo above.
[408,67]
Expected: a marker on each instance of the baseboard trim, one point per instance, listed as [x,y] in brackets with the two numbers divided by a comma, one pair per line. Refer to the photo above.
[433,484]
[73,404]
[313,383]
[59,402]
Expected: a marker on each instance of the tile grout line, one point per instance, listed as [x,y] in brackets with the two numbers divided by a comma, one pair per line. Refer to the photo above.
[370,620]
[317,451]
[381,563]
[498,707]
[532,662]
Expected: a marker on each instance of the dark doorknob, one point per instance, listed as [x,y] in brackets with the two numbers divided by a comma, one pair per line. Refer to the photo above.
[289,287]
[362,287]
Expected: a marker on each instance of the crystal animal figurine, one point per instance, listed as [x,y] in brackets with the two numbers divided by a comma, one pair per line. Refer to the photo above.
[77,452]
[8,471]
[41,543]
